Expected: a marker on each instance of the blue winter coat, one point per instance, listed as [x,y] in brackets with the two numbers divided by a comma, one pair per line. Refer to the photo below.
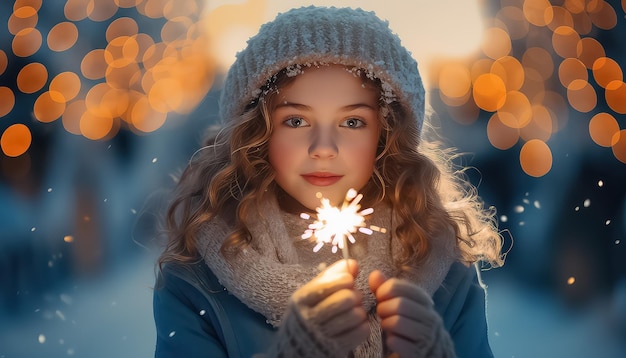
[196,317]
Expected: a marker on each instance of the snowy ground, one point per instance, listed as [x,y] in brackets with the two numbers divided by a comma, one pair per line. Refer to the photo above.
[111,317]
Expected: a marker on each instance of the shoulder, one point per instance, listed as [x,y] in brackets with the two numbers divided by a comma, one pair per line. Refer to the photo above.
[461,283]
[194,274]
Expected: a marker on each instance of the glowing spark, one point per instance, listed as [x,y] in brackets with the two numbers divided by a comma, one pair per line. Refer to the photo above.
[336,226]
[571,280]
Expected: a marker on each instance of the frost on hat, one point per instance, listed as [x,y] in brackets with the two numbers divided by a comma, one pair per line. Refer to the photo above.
[323,35]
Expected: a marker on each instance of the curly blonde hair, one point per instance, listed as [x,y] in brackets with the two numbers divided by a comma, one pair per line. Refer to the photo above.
[231,174]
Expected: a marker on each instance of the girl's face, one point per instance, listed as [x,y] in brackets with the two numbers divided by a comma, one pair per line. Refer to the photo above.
[325,134]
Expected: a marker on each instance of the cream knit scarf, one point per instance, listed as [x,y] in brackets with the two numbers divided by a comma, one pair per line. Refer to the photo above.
[265,275]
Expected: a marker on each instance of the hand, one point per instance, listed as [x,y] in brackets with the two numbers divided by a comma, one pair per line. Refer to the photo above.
[408,318]
[333,304]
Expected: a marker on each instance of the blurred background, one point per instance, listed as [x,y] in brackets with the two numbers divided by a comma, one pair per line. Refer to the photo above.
[103,102]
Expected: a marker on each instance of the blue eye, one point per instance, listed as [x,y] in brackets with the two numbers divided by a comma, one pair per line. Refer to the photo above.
[295,122]
[353,123]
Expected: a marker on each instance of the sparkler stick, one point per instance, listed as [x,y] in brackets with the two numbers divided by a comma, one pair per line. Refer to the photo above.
[336,226]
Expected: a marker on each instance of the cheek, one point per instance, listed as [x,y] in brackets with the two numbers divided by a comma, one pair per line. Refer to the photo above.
[280,152]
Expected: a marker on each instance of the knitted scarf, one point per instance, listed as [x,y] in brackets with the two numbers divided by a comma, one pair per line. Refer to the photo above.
[265,274]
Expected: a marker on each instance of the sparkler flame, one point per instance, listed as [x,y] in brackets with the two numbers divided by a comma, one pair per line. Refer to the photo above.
[336,226]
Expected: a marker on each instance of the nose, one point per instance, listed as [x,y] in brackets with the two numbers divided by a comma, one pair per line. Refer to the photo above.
[323,144]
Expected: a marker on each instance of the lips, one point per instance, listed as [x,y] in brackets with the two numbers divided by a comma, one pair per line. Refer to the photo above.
[322,178]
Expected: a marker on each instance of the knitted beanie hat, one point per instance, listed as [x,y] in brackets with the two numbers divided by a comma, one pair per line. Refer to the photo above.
[323,35]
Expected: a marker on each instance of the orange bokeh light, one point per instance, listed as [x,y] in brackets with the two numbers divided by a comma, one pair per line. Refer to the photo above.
[455,80]
[538,12]
[93,65]
[4,61]
[145,118]
[603,128]
[606,70]
[65,84]
[101,10]
[35,4]
[581,96]
[32,78]
[95,127]
[516,112]
[540,127]
[589,50]
[540,60]
[535,158]
[47,109]
[71,116]
[489,92]
[510,70]
[62,36]
[17,23]
[619,148]
[8,100]
[15,140]
[500,135]
[572,69]
[565,41]
[615,95]
[496,43]
[123,26]
[75,10]
[602,14]
[26,42]
[560,17]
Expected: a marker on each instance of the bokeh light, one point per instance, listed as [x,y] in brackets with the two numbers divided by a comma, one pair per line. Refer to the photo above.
[539,60]
[15,140]
[536,158]
[151,60]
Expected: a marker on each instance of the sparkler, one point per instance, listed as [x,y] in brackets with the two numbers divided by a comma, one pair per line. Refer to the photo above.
[336,226]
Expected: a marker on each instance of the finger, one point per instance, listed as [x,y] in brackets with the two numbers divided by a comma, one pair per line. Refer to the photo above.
[336,277]
[344,322]
[401,288]
[401,347]
[350,266]
[335,305]
[357,334]
[405,327]
[401,306]
[376,278]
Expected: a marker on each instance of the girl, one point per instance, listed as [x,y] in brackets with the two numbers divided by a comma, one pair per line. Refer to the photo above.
[323,100]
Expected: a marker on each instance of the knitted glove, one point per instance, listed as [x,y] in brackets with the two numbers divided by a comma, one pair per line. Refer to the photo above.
[325,317]
[412,326]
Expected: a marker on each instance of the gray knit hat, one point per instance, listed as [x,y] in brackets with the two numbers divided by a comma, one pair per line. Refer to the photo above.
[323,35]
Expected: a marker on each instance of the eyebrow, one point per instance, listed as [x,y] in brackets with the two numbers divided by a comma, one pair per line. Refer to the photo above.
[304,107]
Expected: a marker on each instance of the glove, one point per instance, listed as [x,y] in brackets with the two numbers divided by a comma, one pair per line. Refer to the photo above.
[409,321]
